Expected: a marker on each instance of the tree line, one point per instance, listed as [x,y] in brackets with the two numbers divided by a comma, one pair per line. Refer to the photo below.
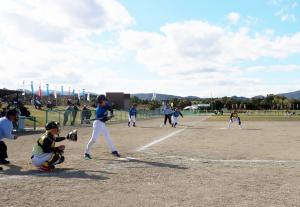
[269,102]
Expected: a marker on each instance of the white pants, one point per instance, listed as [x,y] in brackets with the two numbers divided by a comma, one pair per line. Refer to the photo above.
[175,120]
[99,128]
[232,121]
[131,119]
[39,160]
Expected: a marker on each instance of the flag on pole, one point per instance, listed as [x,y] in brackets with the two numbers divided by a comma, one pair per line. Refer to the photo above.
[47,90]
[88,98]
[78,94]
[40,91]
[23,88]
[55,93]
[32,89]
[83,94]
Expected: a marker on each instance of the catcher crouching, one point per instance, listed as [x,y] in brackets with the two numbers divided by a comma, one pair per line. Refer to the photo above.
[45,155]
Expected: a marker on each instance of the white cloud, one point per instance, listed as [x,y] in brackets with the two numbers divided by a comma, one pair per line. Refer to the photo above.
[54,40]
[288,17]
[274,68]
[201,48]
[233,17]
[286,13]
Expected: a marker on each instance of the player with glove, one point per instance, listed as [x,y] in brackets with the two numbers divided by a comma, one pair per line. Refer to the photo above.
[44,154]
[234,117]
[132,115]
[99,127]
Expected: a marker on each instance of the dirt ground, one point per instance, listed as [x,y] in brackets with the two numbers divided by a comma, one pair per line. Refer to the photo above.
[198,164]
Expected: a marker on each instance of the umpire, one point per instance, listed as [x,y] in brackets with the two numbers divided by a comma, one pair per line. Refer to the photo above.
[6,128]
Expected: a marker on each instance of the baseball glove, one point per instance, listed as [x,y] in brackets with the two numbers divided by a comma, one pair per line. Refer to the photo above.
[72,136]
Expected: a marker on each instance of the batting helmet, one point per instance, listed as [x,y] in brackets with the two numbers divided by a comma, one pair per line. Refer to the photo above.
[11,112]
[52,125]
[101,98]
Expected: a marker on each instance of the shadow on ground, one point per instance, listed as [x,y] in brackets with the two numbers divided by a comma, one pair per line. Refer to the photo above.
[15,170]
[151,163]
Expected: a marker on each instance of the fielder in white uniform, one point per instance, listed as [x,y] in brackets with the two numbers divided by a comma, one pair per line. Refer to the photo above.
[234,117]
[99,127]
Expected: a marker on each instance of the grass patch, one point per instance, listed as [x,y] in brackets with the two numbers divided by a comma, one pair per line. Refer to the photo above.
[257,118]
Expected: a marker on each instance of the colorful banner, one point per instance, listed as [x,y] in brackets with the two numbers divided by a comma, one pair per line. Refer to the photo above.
[78,94]
[40,91]
[83,94]
[55,92]
[88,98]
[69,92]
[47,90]
[32,89]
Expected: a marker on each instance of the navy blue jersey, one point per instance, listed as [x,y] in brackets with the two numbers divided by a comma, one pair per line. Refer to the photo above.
[132,111]
[177,114]
[102,111]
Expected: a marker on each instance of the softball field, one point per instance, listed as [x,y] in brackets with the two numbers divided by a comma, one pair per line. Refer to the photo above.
[200,163]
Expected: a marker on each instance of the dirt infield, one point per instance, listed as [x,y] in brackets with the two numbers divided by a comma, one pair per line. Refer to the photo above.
[198,164]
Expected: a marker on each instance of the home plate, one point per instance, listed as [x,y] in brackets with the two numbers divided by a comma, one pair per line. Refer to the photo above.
[125,158]
[223,128]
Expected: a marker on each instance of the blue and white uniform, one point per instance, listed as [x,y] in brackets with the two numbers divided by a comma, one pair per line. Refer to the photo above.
[99,127]
[175,117]
[6,128]
[132,116]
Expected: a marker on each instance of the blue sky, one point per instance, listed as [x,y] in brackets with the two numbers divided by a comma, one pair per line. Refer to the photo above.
[178,47]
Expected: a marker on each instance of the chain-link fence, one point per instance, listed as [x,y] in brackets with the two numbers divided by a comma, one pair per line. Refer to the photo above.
[86,117]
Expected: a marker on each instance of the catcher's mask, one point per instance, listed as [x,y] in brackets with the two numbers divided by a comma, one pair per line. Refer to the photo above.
[52,125]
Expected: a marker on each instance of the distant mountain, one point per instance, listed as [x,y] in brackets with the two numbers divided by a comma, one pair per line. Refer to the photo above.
[239,98]
[258,97]
[291,95]
[161,97]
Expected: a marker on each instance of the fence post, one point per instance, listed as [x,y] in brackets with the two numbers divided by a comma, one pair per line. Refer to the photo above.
[59,116]
[34,123]
[46,116]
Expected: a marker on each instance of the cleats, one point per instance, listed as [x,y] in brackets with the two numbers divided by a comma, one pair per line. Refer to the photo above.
[116,154]
[4,162]
[45,169]
[87,156]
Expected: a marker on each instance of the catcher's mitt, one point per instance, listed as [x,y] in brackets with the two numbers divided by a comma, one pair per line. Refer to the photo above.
[72,136]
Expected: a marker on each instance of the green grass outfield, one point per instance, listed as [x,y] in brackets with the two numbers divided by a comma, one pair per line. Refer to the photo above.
[257,118]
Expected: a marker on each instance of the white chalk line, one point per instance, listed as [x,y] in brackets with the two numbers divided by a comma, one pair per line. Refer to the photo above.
[140,149]
[241,161]
[159,140]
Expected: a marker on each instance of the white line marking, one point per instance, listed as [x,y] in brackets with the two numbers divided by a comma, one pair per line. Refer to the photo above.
[167,137]
[159,140]
[233,161]
[5,177]
[248,161]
